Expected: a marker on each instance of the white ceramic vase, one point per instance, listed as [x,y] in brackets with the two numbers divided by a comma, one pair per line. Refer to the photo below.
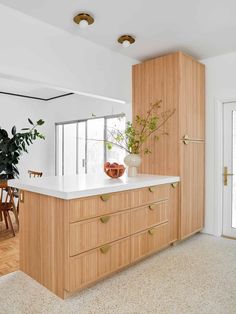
[132,161]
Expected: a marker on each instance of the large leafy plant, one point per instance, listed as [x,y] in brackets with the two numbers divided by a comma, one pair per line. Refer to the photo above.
[12,147]
[133,140]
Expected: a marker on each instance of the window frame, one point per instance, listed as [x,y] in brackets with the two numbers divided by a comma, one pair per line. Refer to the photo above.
[77,121]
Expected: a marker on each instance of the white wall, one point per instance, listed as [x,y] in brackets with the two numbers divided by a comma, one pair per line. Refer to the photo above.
[41,157]
[220,84]
[37,51]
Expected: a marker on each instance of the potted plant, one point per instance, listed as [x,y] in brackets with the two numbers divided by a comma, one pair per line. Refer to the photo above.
[12,147]
[134,139]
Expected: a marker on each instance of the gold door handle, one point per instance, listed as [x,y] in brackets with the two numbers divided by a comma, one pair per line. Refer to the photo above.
[152,231]
[226,174]
[105,197]
[104,249]
[153,206]
[186,140]
[174,185]
[105,219]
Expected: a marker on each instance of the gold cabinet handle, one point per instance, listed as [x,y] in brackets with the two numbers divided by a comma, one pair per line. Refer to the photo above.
[22,196]
[186,140]
[105,219]
[151,189]
[105,197]
[152,231]
[174,185]
[153,206]
[104,249]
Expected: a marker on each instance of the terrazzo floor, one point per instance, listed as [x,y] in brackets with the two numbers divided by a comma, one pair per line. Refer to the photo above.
[197,276]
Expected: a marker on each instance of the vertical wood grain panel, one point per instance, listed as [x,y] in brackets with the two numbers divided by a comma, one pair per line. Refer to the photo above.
[145,243]
[29,236]
[92,233]
[174,212]
[94,206]
[145,217]
[93,265]
[159,79]
[42,240]
[179,81]
[192,98]
[146,196]
[155,80]
[192,188]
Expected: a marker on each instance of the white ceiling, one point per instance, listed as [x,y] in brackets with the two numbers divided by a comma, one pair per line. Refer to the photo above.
[27,89]
[203,28]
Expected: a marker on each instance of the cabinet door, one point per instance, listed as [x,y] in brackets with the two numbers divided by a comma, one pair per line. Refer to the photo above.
[192,98]
[155,80]
[192,188]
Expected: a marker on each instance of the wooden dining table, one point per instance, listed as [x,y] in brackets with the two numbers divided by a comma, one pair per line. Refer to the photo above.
[10,193]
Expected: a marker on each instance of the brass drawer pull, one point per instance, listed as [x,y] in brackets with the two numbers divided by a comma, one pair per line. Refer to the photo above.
[152,231]
[105,197]
[153,206]
[104,249]
[174,185]
[151,189]
[105,219]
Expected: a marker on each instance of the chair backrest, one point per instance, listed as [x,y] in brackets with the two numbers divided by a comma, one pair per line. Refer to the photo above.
[34,174]
[3,188]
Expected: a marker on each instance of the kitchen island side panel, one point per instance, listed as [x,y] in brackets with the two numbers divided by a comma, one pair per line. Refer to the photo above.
[43,239]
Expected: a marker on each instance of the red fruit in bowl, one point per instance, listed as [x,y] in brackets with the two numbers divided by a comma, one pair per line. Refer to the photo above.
[114,170]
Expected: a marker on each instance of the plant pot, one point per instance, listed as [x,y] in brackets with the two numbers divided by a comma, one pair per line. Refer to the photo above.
[132,161]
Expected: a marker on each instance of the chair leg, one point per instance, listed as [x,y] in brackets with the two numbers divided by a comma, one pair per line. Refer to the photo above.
[10,222]
[18,205]
[1,217]
[5,218]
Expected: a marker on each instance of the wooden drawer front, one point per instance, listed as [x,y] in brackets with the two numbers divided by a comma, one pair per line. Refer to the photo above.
[89,234]
[145,217]
[149,195]
[90,266]
[149,241]
[90,207]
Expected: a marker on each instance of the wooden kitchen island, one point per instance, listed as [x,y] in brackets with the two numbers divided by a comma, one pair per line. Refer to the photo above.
[76,230]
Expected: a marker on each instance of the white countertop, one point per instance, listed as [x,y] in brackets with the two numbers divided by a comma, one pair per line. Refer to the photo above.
[77,186]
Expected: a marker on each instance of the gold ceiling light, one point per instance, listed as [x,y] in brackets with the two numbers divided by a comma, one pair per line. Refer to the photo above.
[83,20]
[126,40]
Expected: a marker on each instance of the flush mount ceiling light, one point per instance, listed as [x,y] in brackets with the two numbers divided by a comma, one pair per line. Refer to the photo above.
[83,20]
[126,40]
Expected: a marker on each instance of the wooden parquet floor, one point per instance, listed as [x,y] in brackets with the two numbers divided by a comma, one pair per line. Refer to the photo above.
[9,250]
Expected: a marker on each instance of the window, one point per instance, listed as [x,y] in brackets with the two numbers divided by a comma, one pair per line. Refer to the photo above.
[81,145]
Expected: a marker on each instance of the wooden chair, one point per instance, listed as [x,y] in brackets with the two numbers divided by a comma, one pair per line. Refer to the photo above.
[31,173]
[7,205]
[34,174]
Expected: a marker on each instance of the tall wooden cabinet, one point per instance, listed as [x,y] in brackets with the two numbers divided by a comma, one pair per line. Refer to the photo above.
[178,80]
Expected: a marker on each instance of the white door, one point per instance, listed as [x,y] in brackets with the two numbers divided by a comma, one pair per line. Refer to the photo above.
[229,169]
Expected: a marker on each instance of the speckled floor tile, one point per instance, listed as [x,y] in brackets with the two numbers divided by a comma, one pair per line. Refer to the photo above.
[198,276]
